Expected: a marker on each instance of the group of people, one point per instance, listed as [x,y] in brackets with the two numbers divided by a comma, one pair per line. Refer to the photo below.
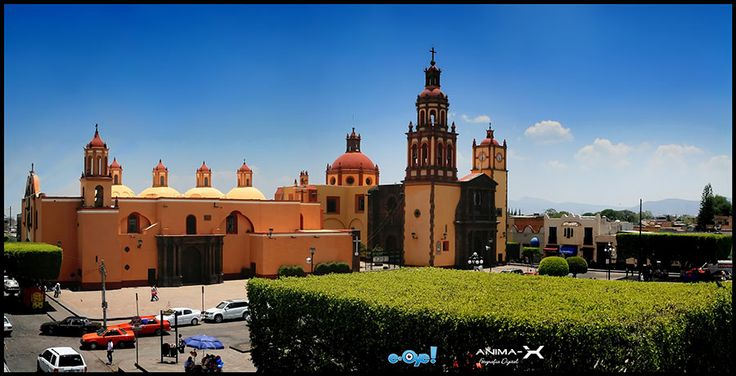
[210,363]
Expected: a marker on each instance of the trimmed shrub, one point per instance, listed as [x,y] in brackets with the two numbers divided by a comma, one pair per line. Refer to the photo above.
[350,323]
[577,265]
[554,266]
[291,271]
[534,253]
[331,267]
[30,261]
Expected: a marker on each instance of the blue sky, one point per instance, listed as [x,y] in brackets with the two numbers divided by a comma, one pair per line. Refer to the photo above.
[598,104]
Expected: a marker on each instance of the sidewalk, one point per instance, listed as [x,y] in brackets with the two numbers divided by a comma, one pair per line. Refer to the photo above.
[122,307]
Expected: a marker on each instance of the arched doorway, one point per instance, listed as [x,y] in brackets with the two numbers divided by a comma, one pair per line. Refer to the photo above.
[191,265]
[191,225]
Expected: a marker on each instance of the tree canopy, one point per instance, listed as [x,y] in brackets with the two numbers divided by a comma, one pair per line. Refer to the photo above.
[706,216]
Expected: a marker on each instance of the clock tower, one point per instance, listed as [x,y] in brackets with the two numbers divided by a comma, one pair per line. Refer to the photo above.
[489,157]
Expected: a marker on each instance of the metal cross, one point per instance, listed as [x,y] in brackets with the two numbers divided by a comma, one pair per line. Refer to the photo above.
[433,52]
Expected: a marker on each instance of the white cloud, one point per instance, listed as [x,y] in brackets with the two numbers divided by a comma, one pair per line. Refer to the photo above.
[603,153]
[557,165]
[718,164]
[478,119]
[666,154]
[548,132]
[513,154]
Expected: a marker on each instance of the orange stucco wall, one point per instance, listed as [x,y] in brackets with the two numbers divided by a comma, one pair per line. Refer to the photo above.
[283,249]
[417,196]
[63,215]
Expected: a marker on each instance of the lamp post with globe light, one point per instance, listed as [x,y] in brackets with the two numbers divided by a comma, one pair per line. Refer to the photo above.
[475,261]
[310,259]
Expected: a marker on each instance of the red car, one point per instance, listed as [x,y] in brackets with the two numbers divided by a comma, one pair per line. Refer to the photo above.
[119,337]
[149,325]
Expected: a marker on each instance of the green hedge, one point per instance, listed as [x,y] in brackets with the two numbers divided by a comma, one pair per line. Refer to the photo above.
[577,265]
[30,261]
[534,253]
[352,322]
[693,248]
[331,267]
[554,266]
[291,271]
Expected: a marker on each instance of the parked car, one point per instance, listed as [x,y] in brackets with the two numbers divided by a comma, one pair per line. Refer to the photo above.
[148,325]
[696,275]
[12,288]
[72,325]
[185,316]
[513,271]
[226,310]
[8,329]
[120,338]
[60,359]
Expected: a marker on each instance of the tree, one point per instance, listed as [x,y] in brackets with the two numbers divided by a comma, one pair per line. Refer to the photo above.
[577,265]
[706,216]
[588,214]
[552,213]
[721,205]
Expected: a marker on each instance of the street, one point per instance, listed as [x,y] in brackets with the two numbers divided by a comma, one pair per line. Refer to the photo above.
[26,342]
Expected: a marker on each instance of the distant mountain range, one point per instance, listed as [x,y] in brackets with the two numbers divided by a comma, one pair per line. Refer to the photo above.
[672,206]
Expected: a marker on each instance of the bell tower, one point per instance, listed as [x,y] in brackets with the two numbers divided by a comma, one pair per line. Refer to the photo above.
[160,175]
[116,171]
[245,176]
[96,181]
[204,176]
[431,147]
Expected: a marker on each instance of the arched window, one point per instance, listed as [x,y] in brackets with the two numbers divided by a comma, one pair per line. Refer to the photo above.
[443,120]
[115,180]
[414,156]
[161,181]
[191,225]
[425,155]
[350,180]
[206,182]
[421,117]
[440,161]
[231,225]
[104,166]
[247,182]
[449,155]
[432,117]
[99,196]
[134,224]
[88,167]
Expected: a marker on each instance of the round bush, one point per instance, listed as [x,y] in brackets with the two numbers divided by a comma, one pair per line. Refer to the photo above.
[554,265]
[577,265]
[291,271]
[322,268]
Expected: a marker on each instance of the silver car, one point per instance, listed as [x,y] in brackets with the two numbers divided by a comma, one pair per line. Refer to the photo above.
[8,326]
[185,316]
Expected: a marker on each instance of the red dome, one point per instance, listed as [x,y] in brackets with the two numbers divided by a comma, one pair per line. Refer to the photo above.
[244,168]
[159,166]
[96,140]
[436,92]
[115,163]
[203,167]
[355,160]
[488,141]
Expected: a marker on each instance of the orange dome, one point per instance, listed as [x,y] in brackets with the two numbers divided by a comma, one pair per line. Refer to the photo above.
[354,160]
[96,140]
[160,166]
[115,163]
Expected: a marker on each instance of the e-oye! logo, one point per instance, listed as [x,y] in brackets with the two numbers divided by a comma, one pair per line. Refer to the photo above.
[410,357]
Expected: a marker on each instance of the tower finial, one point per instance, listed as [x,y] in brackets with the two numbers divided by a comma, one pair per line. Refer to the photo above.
[31,167]
[95,127]
[433,52]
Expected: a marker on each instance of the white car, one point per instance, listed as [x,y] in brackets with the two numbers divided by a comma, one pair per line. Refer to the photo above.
[185,316]
[11,286]
[8,326]
[227,309]
[61,359]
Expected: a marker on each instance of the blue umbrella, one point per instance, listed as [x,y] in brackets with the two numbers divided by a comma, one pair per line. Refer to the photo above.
[201,342]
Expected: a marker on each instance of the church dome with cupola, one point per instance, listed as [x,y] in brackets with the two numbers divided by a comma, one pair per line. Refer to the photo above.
[353,167]
[160,187]
[245,189]
[204,185]
[118,189]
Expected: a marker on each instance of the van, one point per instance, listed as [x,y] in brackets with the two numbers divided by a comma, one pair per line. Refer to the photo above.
[227,310]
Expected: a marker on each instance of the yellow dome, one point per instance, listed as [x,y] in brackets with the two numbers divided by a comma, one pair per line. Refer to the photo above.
[245,193]
[119,190]
[155,192]
[203,192]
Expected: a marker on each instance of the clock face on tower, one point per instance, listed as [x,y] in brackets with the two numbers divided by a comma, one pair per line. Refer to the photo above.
[482,156]
[499,157]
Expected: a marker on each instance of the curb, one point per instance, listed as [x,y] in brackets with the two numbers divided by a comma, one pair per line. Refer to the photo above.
[140,368]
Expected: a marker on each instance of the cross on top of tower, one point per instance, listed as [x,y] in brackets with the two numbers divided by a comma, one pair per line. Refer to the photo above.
[433,52]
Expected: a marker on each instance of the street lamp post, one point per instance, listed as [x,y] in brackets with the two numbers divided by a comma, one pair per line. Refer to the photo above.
[103,272]
[310,259]
[475,261]
[356,259]
[609,251]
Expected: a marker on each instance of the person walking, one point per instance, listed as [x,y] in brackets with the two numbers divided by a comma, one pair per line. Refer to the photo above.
[154,294]
[182,344]
[57,290]
[110,349]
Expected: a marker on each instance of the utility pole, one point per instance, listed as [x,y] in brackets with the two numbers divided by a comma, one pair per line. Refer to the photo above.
[641,246]
[103,272]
